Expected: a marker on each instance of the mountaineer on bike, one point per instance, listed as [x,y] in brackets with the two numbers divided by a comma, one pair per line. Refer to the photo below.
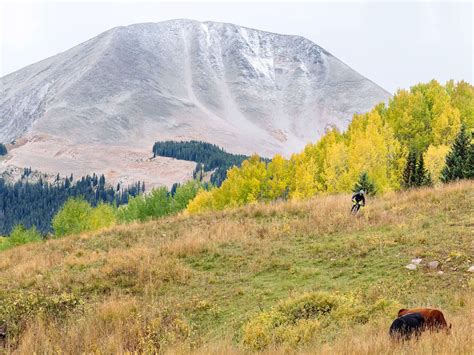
[358,200]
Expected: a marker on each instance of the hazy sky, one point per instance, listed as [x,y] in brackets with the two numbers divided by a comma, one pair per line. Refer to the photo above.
[395,44]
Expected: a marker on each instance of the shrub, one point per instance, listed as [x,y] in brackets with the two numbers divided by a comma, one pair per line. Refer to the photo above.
[156,204]
[159,202]
[73,217]
[20,235]
[299,320]
[165,329]
[102,216]
[17,309]
[132,211]
[185,193]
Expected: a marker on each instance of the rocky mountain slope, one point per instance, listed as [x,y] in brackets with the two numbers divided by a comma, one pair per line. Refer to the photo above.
[106,101]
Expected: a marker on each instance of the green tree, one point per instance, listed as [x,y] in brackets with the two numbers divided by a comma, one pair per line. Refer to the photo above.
[183,194]
[422,176]
[409,173]
[458,159]
[366,184]
[470,163]
[158,203]
[21,235]
[73,217]
[102,216]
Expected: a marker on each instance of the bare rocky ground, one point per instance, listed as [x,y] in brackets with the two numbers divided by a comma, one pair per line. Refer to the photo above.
[119,164]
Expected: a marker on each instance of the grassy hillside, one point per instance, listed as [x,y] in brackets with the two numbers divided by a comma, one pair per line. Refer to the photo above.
[204,282]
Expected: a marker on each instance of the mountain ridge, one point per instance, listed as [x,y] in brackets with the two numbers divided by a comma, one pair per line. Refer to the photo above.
[246,90]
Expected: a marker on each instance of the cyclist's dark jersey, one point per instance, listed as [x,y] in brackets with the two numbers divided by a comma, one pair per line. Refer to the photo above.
[358,197]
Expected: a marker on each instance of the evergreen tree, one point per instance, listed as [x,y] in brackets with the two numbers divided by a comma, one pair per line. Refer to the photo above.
[422,176]
[366,184]
[208,156]
[3,149]
[470,163]
[409,173]
[458,159]
[35,204]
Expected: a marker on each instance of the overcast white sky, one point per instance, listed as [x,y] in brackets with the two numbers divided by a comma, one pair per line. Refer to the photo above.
[395,44]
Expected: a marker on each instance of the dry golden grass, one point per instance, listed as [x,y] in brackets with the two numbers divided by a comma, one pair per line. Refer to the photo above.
[189,283]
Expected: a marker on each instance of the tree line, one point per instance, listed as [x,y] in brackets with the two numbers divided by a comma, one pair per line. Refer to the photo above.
[35,204]
[208,156]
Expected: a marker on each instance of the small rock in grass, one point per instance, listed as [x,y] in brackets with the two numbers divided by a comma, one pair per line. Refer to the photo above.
[411,267]
[416,261]
[471,269]
[440,272]
[433,264]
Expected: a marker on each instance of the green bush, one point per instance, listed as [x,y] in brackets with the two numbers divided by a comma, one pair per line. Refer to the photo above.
[185,193]
[20,235]
[102,216]
[303,319]
[73,217]
[158,203]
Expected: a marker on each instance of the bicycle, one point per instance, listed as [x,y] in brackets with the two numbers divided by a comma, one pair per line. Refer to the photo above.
[355,207]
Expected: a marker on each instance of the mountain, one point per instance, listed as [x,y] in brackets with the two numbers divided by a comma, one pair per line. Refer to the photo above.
[101,105]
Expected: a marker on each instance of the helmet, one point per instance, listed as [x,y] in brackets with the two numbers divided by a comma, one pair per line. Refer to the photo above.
[362,192]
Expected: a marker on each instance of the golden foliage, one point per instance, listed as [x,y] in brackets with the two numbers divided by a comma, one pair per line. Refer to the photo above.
[377,143]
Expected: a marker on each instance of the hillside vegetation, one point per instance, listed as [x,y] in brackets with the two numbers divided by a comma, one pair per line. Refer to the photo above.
[300,276]
[34,204]
[424,121]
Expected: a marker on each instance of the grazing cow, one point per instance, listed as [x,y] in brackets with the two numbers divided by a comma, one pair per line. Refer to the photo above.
[407,325]
[434,319]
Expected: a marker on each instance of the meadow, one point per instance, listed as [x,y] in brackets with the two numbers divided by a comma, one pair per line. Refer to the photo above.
[282,277]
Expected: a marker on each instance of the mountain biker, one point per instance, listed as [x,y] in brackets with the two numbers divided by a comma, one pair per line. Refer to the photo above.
[358,200]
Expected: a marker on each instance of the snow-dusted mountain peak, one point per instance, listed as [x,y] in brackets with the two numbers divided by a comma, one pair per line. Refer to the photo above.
[243,89]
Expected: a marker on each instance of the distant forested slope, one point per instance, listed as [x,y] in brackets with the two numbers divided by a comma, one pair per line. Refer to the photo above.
[208,156]
[35,204]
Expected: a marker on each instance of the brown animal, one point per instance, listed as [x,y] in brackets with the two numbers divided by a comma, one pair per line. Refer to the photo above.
[3,335]
[434,319]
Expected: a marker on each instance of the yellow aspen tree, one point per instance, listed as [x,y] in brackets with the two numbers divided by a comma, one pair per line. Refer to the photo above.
[446,126]
[278,173]
[336,168]
[201,203]
[462,98]
[303,184]
[434,159]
